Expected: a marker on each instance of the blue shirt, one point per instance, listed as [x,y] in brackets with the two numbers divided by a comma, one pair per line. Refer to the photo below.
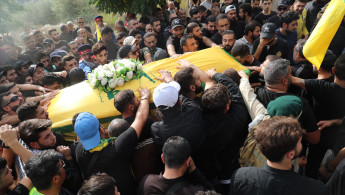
[291,39]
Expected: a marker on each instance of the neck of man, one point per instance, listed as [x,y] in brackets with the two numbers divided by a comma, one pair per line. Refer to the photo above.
[268,12]
[53,190]
[285,164]
[56,42]
[170,173]
[127,114]
[339,82]
[277,88]
[322,74]
[249,39]
[283,32]
[247,19]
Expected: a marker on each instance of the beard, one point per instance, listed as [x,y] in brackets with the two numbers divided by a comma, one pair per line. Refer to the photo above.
[227,48]
[198,89]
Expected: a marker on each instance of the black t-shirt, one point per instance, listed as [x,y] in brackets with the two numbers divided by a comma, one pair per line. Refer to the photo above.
[304,70]
[201,45]
[112,49]
[146,132]
[281,49]
[307,118]
[32,54]
[113,160]
[217,38]
[206,33]
[161,41]
[67,37]
[238,28]
[275,20]
[63,45]
[329,99]
[262,18]
[270,181]
[172,40]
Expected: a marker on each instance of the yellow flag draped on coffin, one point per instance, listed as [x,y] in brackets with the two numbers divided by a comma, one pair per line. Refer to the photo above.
[83,98]
[319,40]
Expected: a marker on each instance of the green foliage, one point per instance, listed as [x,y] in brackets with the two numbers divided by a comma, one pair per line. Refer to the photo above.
[142,7]
[7,9]
[71,9]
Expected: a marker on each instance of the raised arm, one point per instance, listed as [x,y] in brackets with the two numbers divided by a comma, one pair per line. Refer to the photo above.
[143,111]
[298,82]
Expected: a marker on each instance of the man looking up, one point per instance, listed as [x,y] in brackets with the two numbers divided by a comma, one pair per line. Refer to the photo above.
[287,134]
[173,43]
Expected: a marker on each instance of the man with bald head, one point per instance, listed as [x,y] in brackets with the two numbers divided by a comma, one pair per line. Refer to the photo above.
[127,104]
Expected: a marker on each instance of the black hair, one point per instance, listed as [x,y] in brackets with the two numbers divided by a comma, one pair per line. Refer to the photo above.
[247,8]
[98,184]
[51,78]
[106,30]
[193,11]
[117,127]
[185,78]
[42,167]
[176,150]
[153,20]
[98,48]
[288,17]
[210,19]
[250,27]
[340,67]
[241,50]
[134,32]
[202,8]
[76,75]
[51,30]
[29,130]
[215,99]
[3,164]
[41,55]
[183,41]
[191,26]
[120,35]
[27,110]
[123,99]
[220,17]
[328,61]
[6,87]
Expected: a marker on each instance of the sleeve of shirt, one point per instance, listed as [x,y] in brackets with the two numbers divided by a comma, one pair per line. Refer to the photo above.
[20,189]
[316,87]
[254,106]
[170,41]
[233,89]
[126,142]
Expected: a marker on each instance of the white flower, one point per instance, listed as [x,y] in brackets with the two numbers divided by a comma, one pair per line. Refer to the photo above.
[100,75]
[109,74]
[104,81]
[132,64]
[120,81]
[139,66]
[93,82]
[112,83]
[130,74]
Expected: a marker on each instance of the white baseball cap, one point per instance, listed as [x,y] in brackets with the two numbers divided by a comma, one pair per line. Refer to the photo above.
[166,94]
[229,7]
[130,40]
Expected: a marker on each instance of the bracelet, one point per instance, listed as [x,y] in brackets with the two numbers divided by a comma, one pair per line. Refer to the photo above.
[144,98]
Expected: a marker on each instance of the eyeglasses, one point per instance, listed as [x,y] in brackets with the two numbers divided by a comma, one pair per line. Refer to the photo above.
[282,8]
[13,99]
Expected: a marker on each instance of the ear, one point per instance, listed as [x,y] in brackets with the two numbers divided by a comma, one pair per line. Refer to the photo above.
[101,130]
[131,107]
[6,108]
[57,179]
[247,57]
[192,87]
[162,157]
[188,161]
[333,70]
[170,30]
[290,155]
[285,81]
[34,145]
[184,48]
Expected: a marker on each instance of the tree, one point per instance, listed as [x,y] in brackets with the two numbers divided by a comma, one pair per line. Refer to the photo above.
[71,9]
[142,7]
[7,9]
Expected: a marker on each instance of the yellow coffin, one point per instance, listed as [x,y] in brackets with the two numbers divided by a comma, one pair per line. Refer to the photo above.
[83,98]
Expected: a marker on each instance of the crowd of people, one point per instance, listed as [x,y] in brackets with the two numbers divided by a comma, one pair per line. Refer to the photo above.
[279,130]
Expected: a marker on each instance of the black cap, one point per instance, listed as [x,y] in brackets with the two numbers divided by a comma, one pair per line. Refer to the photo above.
[33,67]
[176,22]
[98,17]
[47,41]
[285,3]
[268,30]
[20,63]
[58,53]
[84,47]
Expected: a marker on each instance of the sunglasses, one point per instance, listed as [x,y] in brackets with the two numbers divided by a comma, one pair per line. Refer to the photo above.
[282,8]
[13,99]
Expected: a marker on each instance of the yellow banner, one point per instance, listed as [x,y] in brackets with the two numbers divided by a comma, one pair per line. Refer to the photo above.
[319,40]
